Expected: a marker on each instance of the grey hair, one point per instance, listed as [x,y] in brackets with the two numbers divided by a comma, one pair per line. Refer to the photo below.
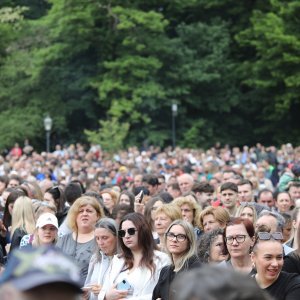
[280,219]
[110,225]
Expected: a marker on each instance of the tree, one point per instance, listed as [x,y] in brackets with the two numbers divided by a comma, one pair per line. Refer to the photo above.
[275,68]
[110,135]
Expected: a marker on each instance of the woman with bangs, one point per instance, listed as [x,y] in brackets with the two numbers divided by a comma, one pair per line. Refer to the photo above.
[80,244]
[212,218]
[239,236]
[180,244]
[267,257]
[139,264]
[190,211]
[163,217]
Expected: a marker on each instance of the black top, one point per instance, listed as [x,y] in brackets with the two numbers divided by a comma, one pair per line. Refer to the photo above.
[167,275]
[16,238]
[292,263]
[286,287]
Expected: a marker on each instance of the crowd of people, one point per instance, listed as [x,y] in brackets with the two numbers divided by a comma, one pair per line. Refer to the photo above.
[138,222]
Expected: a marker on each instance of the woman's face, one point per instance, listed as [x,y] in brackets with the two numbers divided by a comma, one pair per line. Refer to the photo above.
[217,250]
[283,202]
[124,199]
[106,241]
[268,259]
[130,241]
[210,223]
[161,223]
[10,208]
[176,248]
[247,213]
[86,218]
[238,249]
[155,206]
[108,201]
[187,213]
[47,234]
[49,199]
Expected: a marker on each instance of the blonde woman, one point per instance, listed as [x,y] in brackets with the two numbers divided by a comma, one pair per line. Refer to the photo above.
[163,217]
[110,199]
[190,211]
[80,243]
[45,233]
[212,218]
[247,211]
[180,244]
[23,221]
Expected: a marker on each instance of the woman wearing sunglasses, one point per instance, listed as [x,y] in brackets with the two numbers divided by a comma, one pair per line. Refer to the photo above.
[267,256]
[239,235]
[180,244]
[134,273]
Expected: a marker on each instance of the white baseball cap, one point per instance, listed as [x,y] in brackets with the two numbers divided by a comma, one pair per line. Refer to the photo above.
[46,219]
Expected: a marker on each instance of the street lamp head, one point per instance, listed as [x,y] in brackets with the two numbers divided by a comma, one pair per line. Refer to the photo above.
[47,123]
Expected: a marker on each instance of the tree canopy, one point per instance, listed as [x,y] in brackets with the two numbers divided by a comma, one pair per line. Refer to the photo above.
[100,66]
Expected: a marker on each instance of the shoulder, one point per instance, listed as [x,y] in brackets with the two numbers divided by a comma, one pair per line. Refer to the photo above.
[26,239]
[161,255]
[65,239]
[287,249]
[161,258]
[289,281]
[193,262]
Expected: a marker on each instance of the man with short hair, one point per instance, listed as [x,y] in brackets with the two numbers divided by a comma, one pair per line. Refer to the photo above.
[229,197]
[137,180]
[245,188]
[174,190]
[275,222]
[204,193]
[294,191]
[185,182]
[161,183]
[228,174]
[266,197]
[151,183]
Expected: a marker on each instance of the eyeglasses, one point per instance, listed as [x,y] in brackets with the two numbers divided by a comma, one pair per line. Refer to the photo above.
[179,237]
[238,238]
[130,231]
[265,236]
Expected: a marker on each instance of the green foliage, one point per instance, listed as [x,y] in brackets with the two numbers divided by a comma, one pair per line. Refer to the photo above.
[275,69]
[231,66]
[110,135]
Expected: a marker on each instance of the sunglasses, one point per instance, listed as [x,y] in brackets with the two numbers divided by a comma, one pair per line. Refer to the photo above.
[265,236]
[130,231]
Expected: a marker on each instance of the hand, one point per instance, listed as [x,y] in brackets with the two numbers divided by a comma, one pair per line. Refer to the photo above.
[85,295]
[96,288]
[114,294]
[138,197]
[139,207]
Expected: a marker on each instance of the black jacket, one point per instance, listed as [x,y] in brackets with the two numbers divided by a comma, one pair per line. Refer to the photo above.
[167,275]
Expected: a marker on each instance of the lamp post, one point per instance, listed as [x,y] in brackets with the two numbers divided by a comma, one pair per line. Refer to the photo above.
[174,114]
[47,126]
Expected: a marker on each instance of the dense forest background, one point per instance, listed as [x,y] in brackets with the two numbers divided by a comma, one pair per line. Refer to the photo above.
[109,71]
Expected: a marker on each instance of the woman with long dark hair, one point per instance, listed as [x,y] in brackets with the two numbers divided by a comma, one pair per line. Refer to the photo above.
[134,273]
